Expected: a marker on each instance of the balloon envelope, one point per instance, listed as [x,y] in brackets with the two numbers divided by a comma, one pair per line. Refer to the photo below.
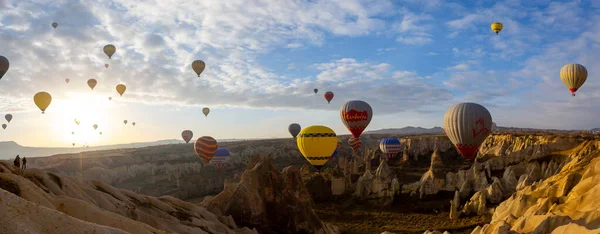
[54,25]
[355,143]
[4,126]
[4,64]
[390,147]
[198,66]
[187,135]
[573,76]
[205,110]
[8,117]
[294,129]
[496,27]
[92,83]
[315,90]
[467,125]
[121,89]
[42,100]
[219,158]
[328,96]
[356,116]
[109,50]
[205,148]
[317,143]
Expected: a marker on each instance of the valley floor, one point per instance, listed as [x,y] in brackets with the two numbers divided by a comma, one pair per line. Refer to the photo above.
[401,217]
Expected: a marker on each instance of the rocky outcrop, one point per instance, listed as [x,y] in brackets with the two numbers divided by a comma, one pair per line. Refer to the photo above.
[383,184]
[271,202]
[433,180]
[567,202]
[454,205]
[418,147]
[43,202]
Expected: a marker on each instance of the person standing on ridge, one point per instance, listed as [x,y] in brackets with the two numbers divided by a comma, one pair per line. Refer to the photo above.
[24,163]
[17,161]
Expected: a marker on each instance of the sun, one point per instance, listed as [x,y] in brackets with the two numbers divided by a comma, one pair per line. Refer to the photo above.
[88,109]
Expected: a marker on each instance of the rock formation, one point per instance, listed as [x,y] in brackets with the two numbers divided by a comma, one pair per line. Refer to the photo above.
[567,202]
[271,202]
[433,180]
[383,184]
[33,201]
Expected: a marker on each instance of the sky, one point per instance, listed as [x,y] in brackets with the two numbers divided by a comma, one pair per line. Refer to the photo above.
[409,59]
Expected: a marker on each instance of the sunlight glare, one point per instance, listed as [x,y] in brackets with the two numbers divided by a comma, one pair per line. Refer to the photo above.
[87,108]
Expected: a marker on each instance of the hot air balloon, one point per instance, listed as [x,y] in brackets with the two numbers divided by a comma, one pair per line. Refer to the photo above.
[496,27]
[109,98]
[92,83]
[72,133]
[294,129]
[355,144]
[337,149]
[220,156]
[109,50]
[205,148]
[54,25]
[77,122]
[390,147]
[328,96]
[205,110]
[317,143]
[125,121]
[187,135]
[95,126]
[4,64]
[121,89]
[198,66]
[133,123]
[356,115]
[315,90]
[467,125]
[573,75]
[8,117]
[106,65]
[67,80]
[73,144]
[4,126]
[100,133]
[42,100]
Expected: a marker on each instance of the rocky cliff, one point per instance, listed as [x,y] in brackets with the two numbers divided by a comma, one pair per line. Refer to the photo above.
[33,201]
[271,201]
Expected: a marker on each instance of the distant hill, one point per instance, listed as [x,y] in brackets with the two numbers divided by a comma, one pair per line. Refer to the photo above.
[10,149]
[410,130]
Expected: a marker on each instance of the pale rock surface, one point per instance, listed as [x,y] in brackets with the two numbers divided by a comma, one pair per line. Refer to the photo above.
[477,204]
[454,206]
[495,192]
[566,202]
[98,203]
[524,181]
[433,180]
[380,185]
[22,216]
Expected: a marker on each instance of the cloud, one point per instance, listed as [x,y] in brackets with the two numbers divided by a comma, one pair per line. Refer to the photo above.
[432,53]
[412,28]
[381,51]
